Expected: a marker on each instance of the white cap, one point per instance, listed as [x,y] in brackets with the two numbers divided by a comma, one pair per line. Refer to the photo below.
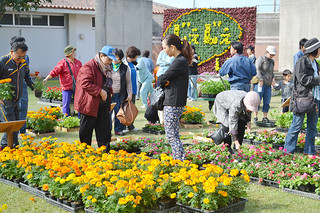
[272,50]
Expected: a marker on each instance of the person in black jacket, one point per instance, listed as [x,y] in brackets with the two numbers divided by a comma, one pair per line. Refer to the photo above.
[306,78]
[175,83]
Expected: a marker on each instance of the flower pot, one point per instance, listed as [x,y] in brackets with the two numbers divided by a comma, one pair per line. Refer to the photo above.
[38,94]
[67,202]
[76,204]
[203,95]
[237,206]
[45,100]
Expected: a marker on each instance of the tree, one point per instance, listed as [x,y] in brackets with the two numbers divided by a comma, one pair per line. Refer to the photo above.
[20,5]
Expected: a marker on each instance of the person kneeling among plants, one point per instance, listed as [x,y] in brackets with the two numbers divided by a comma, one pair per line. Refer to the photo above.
[233,110]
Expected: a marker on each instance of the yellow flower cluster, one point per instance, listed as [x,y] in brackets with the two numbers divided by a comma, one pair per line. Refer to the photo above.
[7,80]
[120,179]
[193,115]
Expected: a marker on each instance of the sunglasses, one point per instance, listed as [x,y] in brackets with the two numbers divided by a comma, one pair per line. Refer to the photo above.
[21,57]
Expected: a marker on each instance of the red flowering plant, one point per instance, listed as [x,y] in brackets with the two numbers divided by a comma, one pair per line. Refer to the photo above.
[54,93]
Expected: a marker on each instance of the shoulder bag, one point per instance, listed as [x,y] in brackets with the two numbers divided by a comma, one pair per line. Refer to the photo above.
[301,105]
[157,98]
[73,79]
[127,113]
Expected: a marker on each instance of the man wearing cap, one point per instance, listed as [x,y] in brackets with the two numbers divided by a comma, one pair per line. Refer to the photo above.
[66,69]
[265,67]
[306,81]
[92,98]
[233,109]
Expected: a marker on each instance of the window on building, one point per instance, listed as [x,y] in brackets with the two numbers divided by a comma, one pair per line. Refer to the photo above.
[7,19]
[40,20]
[22,19]
[93,23]
[57,21]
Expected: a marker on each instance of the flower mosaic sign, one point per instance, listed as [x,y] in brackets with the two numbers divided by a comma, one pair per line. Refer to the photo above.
[210,31]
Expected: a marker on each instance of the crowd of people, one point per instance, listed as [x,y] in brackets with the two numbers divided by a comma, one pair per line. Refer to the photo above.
[113,76]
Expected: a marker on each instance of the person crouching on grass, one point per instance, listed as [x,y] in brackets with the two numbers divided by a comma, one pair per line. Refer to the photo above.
[233,110]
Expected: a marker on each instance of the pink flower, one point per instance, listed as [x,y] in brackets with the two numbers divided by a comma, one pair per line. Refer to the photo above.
[280,148]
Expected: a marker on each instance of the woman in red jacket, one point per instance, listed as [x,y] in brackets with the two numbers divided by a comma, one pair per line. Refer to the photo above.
[92,98]
[64,69]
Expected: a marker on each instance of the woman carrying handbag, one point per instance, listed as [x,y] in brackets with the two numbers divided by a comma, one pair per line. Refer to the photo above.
[306,77]
[175,84]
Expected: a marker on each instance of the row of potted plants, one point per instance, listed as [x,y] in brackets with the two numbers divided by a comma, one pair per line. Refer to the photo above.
[46,119]
[284,121]
[276,138]
[261,161]
[119,181]
[52,94]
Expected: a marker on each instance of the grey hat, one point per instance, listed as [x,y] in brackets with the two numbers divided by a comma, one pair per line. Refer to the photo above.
[311,45]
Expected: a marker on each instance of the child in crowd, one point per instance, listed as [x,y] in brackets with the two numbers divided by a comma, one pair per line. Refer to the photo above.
[286,87]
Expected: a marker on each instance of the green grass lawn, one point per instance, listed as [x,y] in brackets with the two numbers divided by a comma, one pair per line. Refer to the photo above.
[261,199]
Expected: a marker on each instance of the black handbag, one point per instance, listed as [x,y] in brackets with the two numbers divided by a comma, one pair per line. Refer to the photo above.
[157,98]
[301,105]
[219,136]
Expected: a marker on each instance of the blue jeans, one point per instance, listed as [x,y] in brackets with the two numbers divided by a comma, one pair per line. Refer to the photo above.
[192,87]
[266,95]
[240,86]
[146,87]
[292,135]
[23,102]
[66,99]
[9,114]
[118,127]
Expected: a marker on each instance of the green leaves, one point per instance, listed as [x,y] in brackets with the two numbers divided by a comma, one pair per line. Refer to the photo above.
[210,31]
[213,87]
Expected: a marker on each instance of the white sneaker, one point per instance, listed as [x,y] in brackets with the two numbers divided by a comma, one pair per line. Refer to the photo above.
[143,107]
[125,131]
[134,130]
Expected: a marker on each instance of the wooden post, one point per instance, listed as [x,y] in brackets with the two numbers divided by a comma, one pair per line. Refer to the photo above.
[9,128]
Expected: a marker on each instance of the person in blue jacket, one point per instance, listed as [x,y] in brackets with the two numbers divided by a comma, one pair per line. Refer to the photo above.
[239,68]
[145,78]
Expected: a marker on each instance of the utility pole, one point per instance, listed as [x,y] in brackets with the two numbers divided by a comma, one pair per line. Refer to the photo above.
[194,4]
[274,5]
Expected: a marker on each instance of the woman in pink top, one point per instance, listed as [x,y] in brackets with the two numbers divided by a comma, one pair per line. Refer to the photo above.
[63,71]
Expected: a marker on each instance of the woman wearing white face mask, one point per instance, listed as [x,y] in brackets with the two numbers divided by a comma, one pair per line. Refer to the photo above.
[121,86]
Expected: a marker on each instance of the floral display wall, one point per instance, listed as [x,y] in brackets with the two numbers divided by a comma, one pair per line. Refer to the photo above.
[211,31]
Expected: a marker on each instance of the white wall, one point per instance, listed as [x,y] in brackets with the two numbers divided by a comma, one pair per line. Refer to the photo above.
[124,23]
[298,19]
[44,45]
[81,25]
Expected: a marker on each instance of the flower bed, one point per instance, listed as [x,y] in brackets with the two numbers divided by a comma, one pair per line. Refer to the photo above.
[44,120]
[119,181]
[68,124]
